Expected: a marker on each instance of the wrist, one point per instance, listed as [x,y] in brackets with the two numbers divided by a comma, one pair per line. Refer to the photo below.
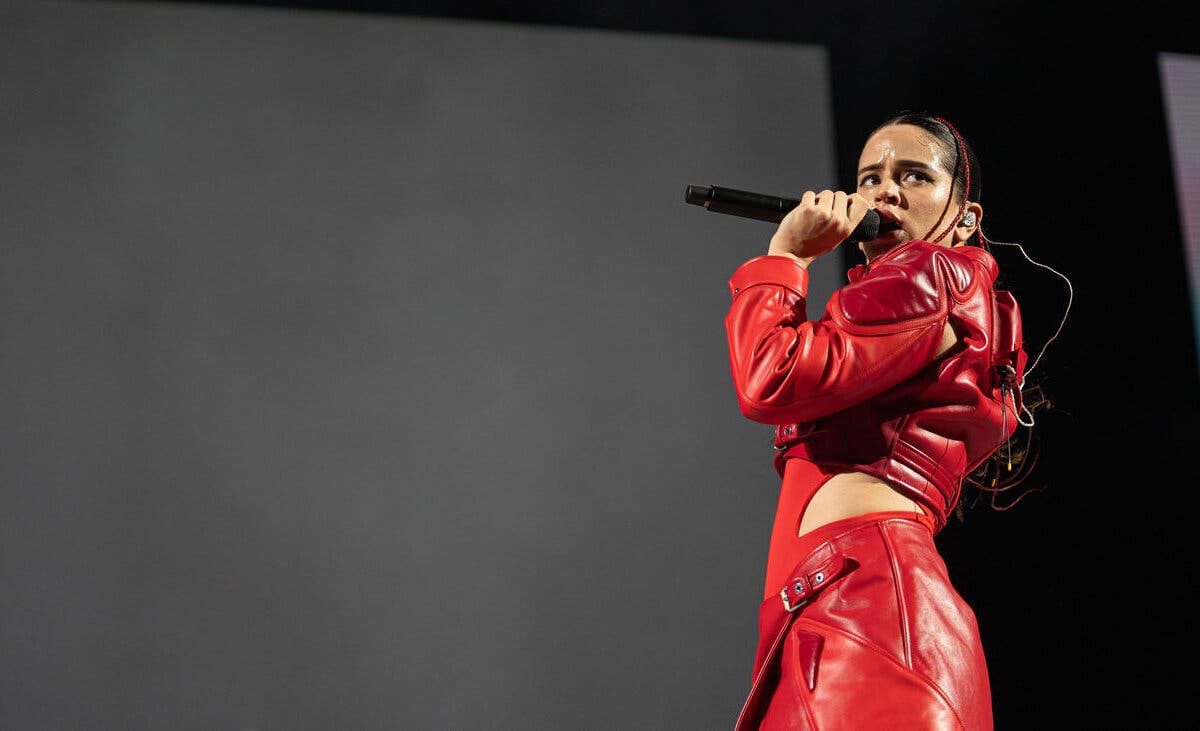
[770,269]
[803,260]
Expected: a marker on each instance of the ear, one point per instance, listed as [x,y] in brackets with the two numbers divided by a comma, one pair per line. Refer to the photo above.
[970,222]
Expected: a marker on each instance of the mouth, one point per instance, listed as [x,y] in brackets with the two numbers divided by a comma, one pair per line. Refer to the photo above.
[887,222]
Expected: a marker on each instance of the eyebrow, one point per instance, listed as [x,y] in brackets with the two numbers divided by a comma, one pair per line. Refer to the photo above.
[901,163]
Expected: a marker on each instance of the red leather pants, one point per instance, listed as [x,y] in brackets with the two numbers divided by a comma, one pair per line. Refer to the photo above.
[868,633]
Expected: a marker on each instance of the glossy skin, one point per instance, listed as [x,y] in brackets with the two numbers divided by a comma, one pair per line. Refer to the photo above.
[905,174]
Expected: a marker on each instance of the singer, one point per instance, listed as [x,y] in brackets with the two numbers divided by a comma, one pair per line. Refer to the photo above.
[909,383]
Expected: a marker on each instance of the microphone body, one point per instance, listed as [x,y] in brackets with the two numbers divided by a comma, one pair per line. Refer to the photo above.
[765,208]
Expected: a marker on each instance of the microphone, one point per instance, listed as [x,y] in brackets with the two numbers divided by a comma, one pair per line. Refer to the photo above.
[766,208]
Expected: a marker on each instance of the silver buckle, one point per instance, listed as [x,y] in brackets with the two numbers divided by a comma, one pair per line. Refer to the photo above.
[787,602]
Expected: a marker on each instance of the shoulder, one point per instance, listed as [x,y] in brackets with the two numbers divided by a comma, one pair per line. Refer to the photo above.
[913,281]
[968,266]
[963,263]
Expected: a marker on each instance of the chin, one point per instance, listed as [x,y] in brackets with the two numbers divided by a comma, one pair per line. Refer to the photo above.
[883,244]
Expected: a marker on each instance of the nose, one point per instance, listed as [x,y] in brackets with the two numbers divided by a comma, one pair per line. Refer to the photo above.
[887,192]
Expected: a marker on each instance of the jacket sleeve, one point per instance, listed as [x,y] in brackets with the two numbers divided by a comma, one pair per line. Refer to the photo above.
[876,333]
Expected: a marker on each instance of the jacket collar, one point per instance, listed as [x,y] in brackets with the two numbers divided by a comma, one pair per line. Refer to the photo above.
[980,256]
[859,271]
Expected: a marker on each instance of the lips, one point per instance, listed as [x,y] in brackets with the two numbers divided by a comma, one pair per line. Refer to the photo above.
[887,221]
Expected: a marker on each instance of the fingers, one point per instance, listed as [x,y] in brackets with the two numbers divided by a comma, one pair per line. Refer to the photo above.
[837,206]
[858,207]
[818,223]
[820,208]
[834,203]
[832,209]
[825,203]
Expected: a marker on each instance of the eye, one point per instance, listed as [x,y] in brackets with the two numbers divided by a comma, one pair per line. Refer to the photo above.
[868,180]
[917,175]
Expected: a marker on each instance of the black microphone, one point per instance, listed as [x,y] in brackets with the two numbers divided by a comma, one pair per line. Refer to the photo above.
[766,208]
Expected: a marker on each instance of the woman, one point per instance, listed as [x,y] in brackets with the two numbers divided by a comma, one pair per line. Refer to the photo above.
[907,384]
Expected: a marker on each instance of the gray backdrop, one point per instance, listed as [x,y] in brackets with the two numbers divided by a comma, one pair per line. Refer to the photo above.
[368,372]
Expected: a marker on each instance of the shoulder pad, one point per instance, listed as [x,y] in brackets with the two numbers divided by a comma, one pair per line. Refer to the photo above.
[965,262]
[902,285]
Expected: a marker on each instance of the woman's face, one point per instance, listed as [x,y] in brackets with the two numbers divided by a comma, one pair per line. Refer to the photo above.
[902,173]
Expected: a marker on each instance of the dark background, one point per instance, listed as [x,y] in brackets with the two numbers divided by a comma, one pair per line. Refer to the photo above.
[1081,592]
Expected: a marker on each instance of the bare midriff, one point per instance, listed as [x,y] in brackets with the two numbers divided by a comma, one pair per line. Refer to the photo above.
[813,496]
[849,494]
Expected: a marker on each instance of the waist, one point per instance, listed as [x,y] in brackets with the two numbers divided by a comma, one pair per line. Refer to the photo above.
[814,499]
[843,495]
[905,465]
[787,551]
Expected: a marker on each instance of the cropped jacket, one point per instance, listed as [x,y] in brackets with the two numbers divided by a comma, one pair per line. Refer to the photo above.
[863,388]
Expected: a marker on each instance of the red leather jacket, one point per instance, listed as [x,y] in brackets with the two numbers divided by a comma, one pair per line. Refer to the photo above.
[862,387]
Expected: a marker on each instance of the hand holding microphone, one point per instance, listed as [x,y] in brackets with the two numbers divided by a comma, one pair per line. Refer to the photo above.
[809,227]
[818,224]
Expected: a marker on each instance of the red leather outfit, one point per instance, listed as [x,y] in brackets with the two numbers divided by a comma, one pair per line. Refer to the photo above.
[866,631]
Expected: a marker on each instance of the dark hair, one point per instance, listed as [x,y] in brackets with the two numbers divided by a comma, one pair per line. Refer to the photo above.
[1011,463]
[1014,459]
[951,141]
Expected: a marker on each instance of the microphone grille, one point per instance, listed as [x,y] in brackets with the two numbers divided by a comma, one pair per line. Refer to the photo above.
[868,228]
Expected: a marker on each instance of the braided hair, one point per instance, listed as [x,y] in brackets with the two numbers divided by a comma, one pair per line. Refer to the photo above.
[1013,460]
[966,173]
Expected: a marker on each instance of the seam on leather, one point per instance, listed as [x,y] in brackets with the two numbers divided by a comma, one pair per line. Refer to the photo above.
[938,274]
[900,323]
[887,358]
[901,607]
[864,642]
[755,285]
[948,268]
[850,325]
[757,682]
[933,466]
[766,405]
[891,448]
[801,690]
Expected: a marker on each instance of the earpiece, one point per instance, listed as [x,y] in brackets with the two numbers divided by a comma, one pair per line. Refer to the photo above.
[968,218]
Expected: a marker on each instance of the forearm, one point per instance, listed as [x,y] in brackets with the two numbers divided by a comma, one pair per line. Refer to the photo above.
[787,369]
